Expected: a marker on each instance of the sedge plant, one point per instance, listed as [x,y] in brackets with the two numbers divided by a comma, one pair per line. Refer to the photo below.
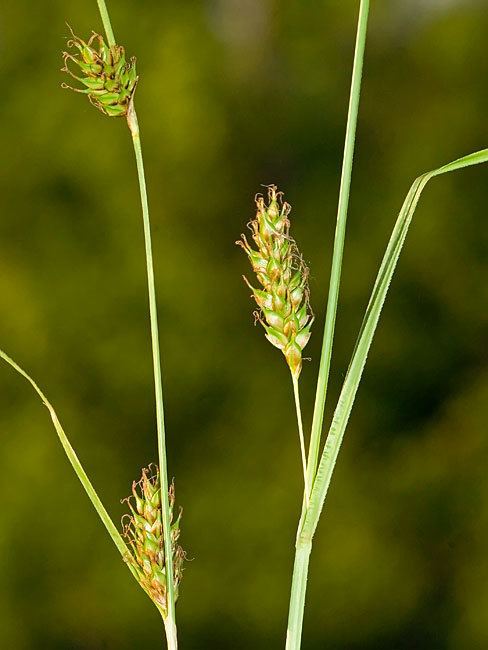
[280,271]
[149,540]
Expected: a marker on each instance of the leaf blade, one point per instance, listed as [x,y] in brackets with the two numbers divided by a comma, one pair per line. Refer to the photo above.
[76,464]
[365,338]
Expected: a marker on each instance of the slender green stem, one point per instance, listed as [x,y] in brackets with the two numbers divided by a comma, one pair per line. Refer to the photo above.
[304,545]
[107,25]
[170,621]
[75,463]
[171,636]
[296,394]
[163,468]
[340,233]
[297,600]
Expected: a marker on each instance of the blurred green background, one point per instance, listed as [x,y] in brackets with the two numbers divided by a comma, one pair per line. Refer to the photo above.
[234,94]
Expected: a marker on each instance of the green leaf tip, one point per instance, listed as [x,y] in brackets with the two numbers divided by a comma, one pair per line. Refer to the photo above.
[77,466]
[365,338]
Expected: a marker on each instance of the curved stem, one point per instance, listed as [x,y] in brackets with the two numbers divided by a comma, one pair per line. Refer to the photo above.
[296,394]
[310,516]
[340,233]
[366,334]
[153,314]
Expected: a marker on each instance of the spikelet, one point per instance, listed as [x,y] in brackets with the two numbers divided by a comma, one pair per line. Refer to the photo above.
[284,309]
[143,530]
[109,79]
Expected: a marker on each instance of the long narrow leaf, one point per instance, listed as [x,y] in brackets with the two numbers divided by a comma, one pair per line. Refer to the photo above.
[366,334]
[339,237]
[80,472]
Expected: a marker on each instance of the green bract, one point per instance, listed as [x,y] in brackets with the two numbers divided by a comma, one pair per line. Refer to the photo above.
[284,306]
[109,79]
[143,531]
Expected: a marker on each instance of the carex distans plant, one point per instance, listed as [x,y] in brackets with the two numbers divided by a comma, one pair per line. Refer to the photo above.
[149,543]
[282,298]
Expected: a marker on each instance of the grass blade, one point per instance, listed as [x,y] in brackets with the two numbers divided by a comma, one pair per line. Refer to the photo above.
[300,569]
[340,234]
[77,466]
[365,338]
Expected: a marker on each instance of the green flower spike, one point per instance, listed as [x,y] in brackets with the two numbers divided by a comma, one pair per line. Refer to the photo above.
[109,80]
[143,531]
[284,309]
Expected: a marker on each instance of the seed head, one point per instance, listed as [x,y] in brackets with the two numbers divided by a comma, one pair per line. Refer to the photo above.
[143,530]
[284,309]
[109,80]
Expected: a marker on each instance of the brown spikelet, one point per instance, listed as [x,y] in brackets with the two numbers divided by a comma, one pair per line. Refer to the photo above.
[143,530]
[284,309]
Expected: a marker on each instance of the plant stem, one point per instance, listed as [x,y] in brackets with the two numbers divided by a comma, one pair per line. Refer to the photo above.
[170,621]
[340,233]
[298,591]
[107,25]
[171,637]
[304,544]
[296,394]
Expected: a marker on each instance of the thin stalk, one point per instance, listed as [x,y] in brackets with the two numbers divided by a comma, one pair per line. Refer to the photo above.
[304,544]
[340,233]
[170,629]
[296,394]
[298,591]
[158,385]
[170,621]
[107,25]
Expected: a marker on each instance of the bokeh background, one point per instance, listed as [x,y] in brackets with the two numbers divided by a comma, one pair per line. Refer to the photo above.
[234,94]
